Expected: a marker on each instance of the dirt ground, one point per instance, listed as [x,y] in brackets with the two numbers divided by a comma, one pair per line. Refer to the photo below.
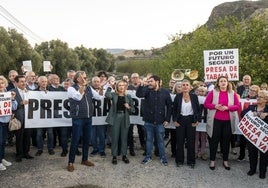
[50,171]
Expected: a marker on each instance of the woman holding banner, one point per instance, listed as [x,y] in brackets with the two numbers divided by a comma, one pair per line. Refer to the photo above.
[222,104]
[261,110]
[4,124]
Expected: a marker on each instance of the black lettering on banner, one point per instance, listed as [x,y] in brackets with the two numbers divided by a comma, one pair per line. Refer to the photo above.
[96,107]
[66,105]
[32,106]
[136,105]
[57,108]
[45,107]
[106,106]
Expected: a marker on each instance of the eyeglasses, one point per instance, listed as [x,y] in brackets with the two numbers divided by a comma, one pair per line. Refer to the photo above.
[252,90]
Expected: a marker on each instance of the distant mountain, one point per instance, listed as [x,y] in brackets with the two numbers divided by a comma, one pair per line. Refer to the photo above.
[115,50]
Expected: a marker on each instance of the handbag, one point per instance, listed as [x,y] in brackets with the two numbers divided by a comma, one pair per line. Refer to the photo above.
[14,124]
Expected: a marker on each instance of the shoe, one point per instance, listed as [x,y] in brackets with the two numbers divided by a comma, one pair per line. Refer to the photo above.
[164,162]
[226,167]
[78,153]
[132,153]
[114,161]
[27,156]
[234,151]
[251,172]
[262,176]
[191,165]
[125,159]
[6,163]
[93,153]
[240,158]
[102,154]
[2,167]
[18,159]
[38,153]
[146,161]
[87,163]
[51,152]
[204,157]
[179,164]
[64,153]
[70,167]
[212,167]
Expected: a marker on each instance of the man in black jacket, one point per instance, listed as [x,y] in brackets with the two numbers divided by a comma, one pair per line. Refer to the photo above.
[157,111]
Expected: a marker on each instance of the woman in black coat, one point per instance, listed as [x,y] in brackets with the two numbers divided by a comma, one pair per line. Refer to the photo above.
[261,110]
[186,115]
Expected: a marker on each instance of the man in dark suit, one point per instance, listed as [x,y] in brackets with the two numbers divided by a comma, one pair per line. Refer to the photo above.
[22,135]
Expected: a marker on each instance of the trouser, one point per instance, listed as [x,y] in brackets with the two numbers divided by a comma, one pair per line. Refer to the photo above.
[23,141]
[3,136]
[119,130]
[185,131]
[80,127]
[141,133]
[243,142]
[156,132]
[253,152]
[221,133]
[173,141]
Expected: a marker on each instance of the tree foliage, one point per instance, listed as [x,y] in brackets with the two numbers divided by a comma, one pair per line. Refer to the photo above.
[14,49]
[186,50]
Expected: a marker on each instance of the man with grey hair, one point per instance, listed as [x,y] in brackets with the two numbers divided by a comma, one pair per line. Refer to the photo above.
[135,82]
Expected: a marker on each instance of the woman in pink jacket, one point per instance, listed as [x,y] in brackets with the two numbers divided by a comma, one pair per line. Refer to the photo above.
[222,104]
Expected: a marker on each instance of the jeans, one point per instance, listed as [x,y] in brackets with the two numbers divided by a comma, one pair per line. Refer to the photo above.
[64,136]
[40,139]
[80,127]
[98,138]
[158,132]
[3,137]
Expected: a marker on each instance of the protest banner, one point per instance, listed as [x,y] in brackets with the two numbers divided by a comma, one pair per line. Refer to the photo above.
[51,109]
[5,104]
[221,63]
[255,130]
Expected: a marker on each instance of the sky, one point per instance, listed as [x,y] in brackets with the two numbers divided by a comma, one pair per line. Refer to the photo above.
[127,24]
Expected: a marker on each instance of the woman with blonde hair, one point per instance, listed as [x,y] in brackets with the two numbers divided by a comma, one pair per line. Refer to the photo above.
[260,110]
[4,124]
[118,118]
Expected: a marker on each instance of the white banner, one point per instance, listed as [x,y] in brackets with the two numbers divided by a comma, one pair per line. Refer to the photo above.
[5,104]
[51,109]
[255,130]
[221,63]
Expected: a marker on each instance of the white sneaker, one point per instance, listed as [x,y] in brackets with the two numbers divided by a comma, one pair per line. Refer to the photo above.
[6,163]
[2,167]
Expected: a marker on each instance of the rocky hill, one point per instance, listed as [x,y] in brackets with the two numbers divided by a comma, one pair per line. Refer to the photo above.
[240,9]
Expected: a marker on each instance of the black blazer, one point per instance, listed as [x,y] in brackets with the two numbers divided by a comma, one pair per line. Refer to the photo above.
[178,104]
[20,112]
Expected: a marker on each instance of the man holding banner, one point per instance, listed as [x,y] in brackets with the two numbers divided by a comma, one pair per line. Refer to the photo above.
[254,126]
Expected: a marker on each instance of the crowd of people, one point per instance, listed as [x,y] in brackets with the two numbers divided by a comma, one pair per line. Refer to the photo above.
[185,104]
